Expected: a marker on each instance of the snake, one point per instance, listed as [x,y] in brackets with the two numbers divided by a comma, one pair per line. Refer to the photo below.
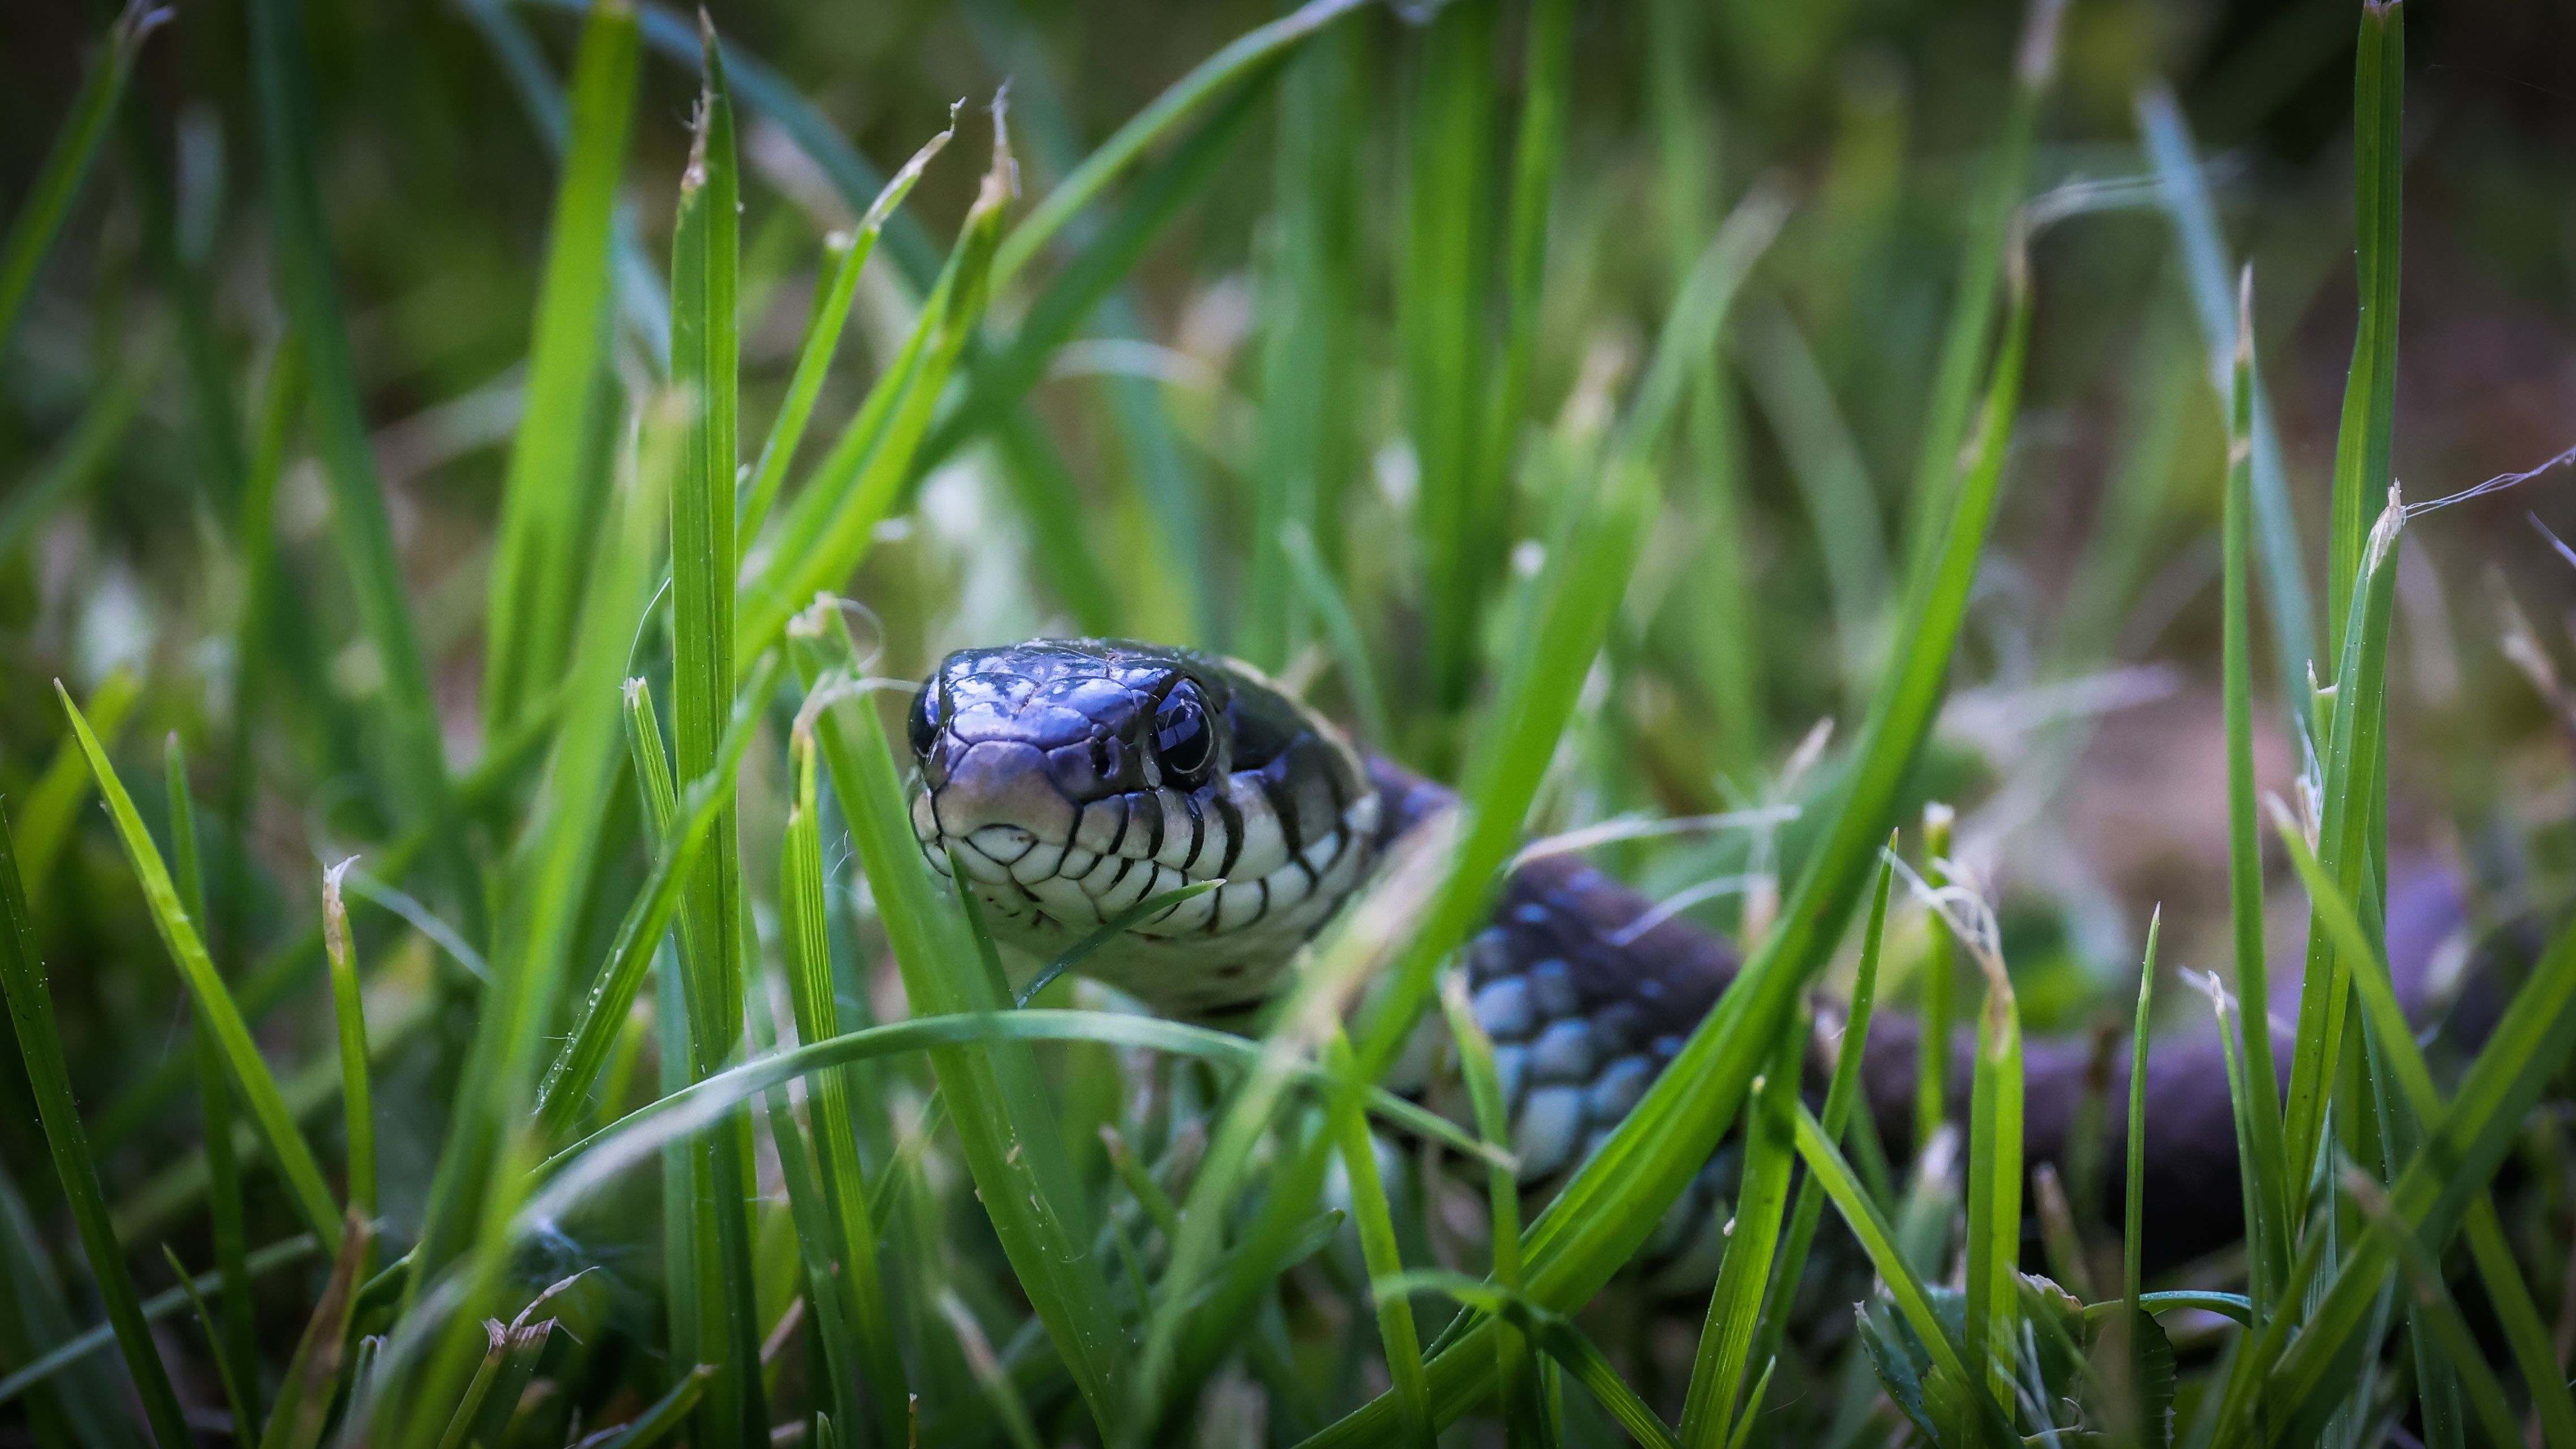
[1065,782]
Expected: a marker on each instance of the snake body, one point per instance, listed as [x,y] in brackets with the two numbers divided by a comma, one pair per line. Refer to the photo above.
[1073,779]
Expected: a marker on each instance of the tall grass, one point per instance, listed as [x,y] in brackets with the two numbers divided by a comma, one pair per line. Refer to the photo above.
[901,1191]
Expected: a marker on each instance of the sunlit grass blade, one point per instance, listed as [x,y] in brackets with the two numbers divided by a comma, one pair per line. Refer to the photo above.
[847,254]
[529,621]
[1249,54]
[2266,1171]
[1378,1250]
[31,1012]
[1441,298]
[357,1100]
[1013,1147]
[1613,1202]
[57,187]
[249,1071]
[2184,192]
[809,967]
[1734,1310]
[827,531]
[409,760]
[1842,1093]
[705,361]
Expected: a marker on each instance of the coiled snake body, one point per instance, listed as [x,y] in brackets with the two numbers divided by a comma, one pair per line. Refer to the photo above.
[1076,779]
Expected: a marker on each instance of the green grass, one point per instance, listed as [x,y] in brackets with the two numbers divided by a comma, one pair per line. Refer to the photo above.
[1577,402]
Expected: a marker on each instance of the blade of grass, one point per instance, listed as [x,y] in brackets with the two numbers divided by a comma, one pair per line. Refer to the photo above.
[568,1080]
[809,962]
[1721,592]
[1248,55]
[2433,1304]
[57,187]
[2184,192]
[159,1306]
[491,1138]
[1538,154]
[1525,1424]
[58,793]
[827,532]
[2369,418]
[706,360]
[31,1013]
[2133,1218]
[580,1167]
[1445,269]
[1825,1163]
[2300,1370]
[848,254]
[529,620]
[1561,1339]
[237,1400]
[1307,300]
[1013,1148]
[356,1098]
[666,1413]
[236,1350]
[102,428]
[1378,1251]
[823,1248]
[2393,1037]
[2266,1171]
[1734,1310]
[1607,1210]
[998,383]
[409,758]
[305,1395]
[1940,991]
[1110,930]
[1995,1182]
[1992,202]
[2351,779]
[214,1003]
[1841,1093]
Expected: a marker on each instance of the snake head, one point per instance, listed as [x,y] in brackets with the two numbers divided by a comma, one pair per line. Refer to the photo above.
[1072,780]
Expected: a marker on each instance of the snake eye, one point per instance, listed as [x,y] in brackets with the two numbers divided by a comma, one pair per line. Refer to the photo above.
[1182,737]
[922,722]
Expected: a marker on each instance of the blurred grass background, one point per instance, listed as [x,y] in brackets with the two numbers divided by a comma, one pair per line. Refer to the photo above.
[1247,444]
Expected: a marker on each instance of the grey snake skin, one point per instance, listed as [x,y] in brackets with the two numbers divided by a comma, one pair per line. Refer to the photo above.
[1074,779]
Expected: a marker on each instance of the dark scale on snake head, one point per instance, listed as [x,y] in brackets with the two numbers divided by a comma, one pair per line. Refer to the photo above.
[1074,779]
